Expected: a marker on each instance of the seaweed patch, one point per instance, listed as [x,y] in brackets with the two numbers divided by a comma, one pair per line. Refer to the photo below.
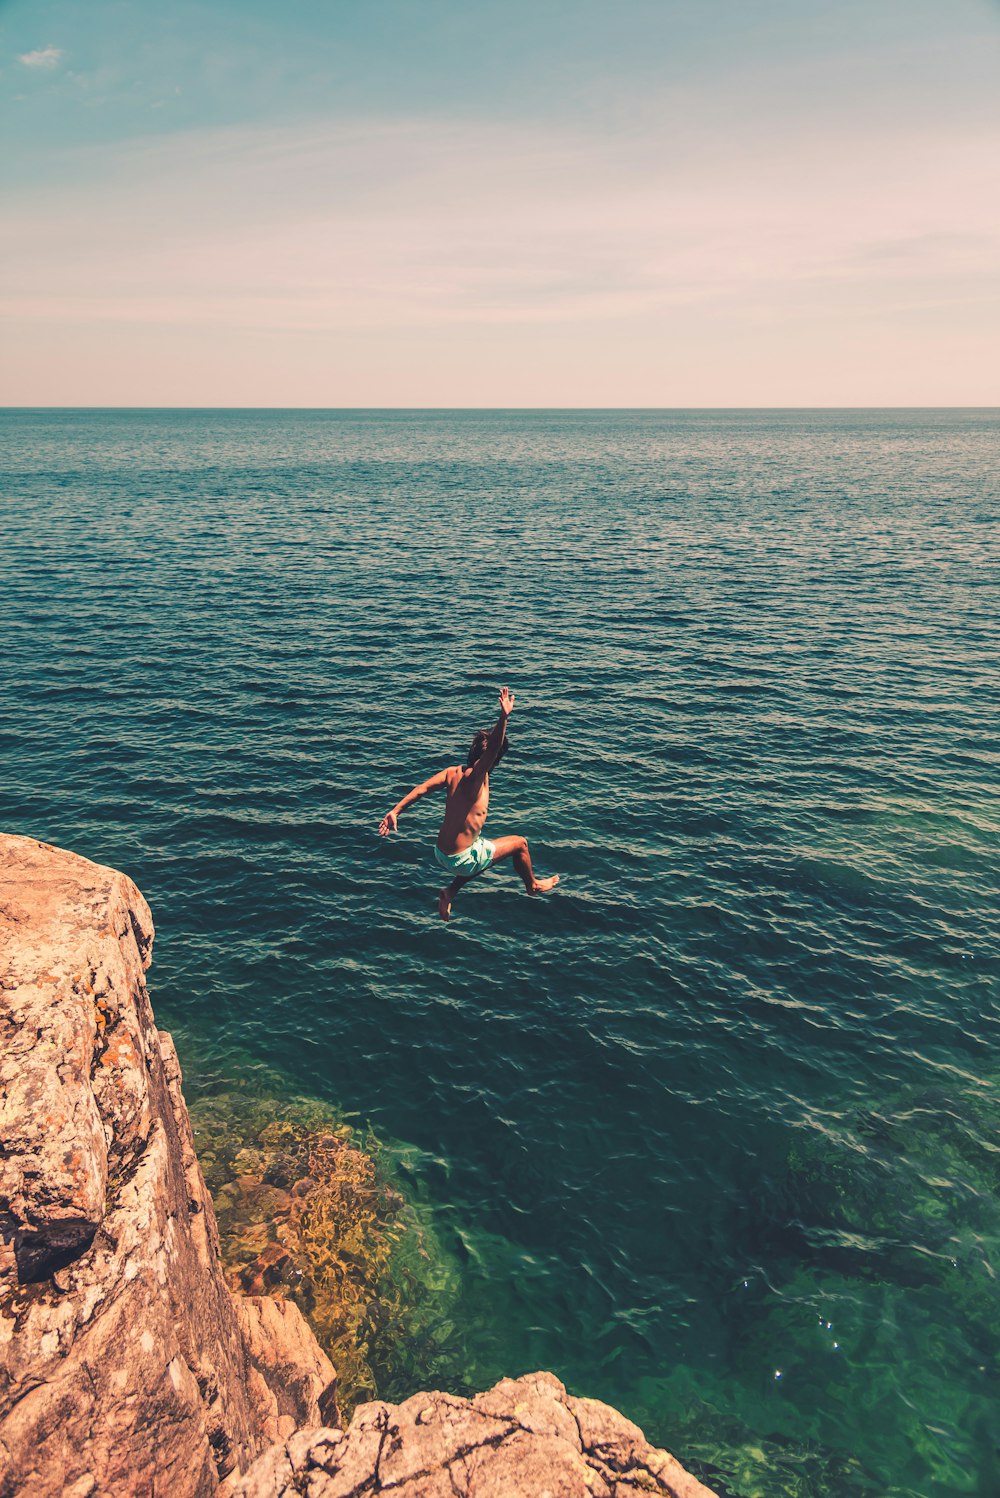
[307,1211]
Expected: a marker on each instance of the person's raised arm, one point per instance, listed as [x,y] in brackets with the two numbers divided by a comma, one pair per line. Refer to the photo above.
[391,819]
[494,743]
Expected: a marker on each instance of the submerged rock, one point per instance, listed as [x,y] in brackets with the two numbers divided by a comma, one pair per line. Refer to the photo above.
[307,1211]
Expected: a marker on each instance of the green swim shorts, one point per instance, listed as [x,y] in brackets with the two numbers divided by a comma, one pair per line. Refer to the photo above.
[471,861]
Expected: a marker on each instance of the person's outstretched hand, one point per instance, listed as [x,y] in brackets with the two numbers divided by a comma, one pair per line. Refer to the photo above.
[388,824]
[506,701]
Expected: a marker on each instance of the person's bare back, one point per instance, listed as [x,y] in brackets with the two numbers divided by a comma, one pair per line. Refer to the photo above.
[461,847]
[464,812]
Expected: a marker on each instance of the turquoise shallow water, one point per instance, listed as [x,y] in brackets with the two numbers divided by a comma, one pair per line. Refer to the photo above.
[712,1132]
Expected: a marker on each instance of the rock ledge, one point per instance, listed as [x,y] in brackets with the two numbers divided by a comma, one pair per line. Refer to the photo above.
[127,1366]
[525,1438]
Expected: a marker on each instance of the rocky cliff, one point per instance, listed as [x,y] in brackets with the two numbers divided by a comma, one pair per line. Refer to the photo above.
[126,1364]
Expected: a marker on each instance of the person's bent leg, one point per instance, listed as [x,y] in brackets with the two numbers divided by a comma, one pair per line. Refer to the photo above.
[447,895]
[517,848]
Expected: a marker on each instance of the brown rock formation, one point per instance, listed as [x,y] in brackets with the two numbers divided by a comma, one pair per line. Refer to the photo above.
[525,1438]
[127,1367]
[125,1362]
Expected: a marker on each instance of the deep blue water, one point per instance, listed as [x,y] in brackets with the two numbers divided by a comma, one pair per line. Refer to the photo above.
[712,1132]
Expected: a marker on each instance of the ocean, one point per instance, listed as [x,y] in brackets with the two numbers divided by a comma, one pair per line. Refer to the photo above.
[711,1132]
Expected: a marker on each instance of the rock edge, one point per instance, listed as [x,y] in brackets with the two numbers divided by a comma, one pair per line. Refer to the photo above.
[525,1438]
[127,1366]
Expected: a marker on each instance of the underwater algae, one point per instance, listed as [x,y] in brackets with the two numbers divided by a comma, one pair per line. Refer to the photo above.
[307,1211]
[311,1209]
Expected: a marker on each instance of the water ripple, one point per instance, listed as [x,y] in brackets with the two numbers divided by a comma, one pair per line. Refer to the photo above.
[726,1107]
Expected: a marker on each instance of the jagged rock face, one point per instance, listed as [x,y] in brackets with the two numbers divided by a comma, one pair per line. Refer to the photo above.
[125,1363]
[127,1368]
[525,1438]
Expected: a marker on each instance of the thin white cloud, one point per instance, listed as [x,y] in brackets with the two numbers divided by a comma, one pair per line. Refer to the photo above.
[44,57]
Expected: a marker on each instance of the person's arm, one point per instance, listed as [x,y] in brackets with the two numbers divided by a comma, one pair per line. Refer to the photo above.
[390,820]
[488,758]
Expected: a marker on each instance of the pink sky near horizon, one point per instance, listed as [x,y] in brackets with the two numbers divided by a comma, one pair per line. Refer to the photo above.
[705,254]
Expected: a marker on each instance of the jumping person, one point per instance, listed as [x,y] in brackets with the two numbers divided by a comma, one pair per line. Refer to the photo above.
[461,848]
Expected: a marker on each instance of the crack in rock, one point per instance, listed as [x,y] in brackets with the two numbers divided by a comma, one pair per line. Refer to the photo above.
[426,1450]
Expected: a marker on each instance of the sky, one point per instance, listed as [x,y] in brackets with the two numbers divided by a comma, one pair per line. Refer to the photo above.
[385,203]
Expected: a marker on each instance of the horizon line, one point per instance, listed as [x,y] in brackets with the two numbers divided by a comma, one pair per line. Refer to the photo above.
[491,408]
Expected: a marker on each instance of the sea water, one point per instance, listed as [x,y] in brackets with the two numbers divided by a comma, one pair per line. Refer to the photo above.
[711,1131]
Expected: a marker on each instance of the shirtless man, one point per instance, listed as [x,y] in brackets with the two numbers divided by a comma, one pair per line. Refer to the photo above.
[461,848]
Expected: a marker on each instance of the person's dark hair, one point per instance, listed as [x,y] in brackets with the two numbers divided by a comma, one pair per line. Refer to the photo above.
[479,741]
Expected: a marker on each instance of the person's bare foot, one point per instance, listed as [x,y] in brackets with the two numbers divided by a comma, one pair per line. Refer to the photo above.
[444,903]
[543,885]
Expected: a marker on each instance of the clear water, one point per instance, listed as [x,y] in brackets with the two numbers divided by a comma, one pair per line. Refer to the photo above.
[711,1132]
